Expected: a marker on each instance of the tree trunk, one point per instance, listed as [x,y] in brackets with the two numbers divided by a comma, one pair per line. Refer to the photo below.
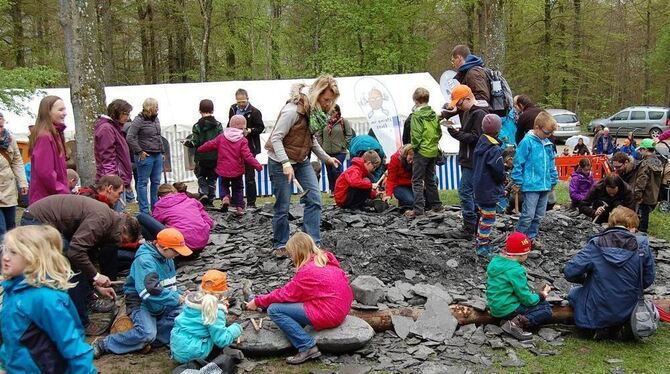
[469,24]
[275,72]
[78,19]
[546,46]
[144,41]
[17,34]
[206,13]
[562,57]
[495,36]
[106,40]
[577,51]
[481,27]
[647,46]
[153,50]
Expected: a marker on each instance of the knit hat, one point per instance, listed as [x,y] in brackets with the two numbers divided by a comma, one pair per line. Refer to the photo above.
[517,244]
[459,92]
[214,281]
[491,125]
[172,238]
[647,144]
[237,121]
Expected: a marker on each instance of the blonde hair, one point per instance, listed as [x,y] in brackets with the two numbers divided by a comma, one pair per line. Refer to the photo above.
[150,106]
[622,216]
[42,248]
[209,305]
[301,248]
[320,85]
[544,120]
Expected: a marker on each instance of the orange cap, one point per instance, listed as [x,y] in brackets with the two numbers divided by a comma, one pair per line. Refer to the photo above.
[214,281]
[172,238]
[458,93]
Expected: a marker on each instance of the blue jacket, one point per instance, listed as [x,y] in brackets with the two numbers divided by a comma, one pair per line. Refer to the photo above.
[489,172]
[41,331]
[629,150]
[534,166]
[507,134]
[151,281]
[609,270]
[605,146]
[191,339]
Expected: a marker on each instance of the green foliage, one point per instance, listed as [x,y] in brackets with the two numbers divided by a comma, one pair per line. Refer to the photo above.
[20,83]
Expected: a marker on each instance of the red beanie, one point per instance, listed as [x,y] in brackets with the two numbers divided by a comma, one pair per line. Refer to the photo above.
[517,244]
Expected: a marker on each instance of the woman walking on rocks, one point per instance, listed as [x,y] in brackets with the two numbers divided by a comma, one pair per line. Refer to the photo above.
[292,140]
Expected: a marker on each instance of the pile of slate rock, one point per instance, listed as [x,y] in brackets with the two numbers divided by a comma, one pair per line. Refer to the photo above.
[396,262]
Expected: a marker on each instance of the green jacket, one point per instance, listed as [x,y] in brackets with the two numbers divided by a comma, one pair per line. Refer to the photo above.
[337,139]
[507,287]
[425,132]
[206,129]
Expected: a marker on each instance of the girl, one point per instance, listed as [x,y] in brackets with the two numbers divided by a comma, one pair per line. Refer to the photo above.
[233,153]
[318,295]
[47,151]
[581,183]
[202,323]
[36,306]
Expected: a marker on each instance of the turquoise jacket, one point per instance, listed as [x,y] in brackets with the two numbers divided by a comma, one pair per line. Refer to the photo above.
[41,331]
[534,165]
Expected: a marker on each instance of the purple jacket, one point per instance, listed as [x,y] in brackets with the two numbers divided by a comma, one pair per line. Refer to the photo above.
[49,171]
[233,152]
[580,185]
[186,215]
[111,151]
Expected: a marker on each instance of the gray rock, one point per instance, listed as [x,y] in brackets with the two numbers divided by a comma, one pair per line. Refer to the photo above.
[354,369]
[548,334]
[368,290]
[409,274]
[422,353]
[496,343]
[394,295]
[452,263]
[477,303]
[492,329]
[513,361]
[612,361]
[434,323]
[352,334]
[428,290]
[402,325]
[466,331]
[437,368]
[405,288]
[270,340]
[478,337]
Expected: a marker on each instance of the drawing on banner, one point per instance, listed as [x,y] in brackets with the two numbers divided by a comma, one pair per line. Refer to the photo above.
[447,83]
[375,100]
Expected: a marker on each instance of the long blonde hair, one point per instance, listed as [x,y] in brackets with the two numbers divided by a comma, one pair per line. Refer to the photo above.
[321,84]
[42,248]
[208,303]
[301,248]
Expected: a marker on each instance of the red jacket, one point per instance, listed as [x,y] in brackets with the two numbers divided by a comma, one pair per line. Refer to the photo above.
[324,292]
[397,175]
[356,176]
[232,153]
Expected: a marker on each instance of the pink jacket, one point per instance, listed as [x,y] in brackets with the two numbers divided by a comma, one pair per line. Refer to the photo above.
[325,292]
[48,169]
[664,135]
[186,215]
[111,151]
[233,152]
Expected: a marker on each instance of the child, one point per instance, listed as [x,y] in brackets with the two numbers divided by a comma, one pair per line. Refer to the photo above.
[353,187]
[318,295]
[233,153]
[535,174]
[628,148]
[489,179]
[202,323]
[508,201]
[566,152]
[507,292]
[152,298]
[37,315]
[581,183]
[425,135]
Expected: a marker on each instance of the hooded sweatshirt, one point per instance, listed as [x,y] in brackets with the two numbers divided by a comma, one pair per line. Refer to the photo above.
[534,165]
[507,287]
[648,180]
[356,176]
[112,156]
[233,153]
[425,132]
[473,74]
[186,215]
[206,129]
[598,195]
[489,172]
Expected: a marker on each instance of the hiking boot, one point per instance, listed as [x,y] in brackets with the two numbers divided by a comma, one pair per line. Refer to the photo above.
[247,294]
[412,213]
[98,348]
[225,203]
[281,252]
[204,200]
[536,244]
[437,208]
[94,329]
[251,206]
[514,328]
[304,356]
[239,211]
[100,305]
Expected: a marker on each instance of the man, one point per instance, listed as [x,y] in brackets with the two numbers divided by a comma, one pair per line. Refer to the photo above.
[604,144]
[624,166]
[471,72]
[647,182]
[527,110]
[609,193]
[206,129]
[253,131]
[108,190]
[472,113]
[85,225]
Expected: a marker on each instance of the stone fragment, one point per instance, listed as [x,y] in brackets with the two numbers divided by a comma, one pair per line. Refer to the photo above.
[437,368]
[478,337]
[492,329]
[394,295]
[352,334]
[513,361]
[548,334]
[434,323]
[409,274]
[428,290]
[368,290]
[402,325]
[477,303]
[452,263]
[270,340]
[422,353]
[612,361]
[354,369]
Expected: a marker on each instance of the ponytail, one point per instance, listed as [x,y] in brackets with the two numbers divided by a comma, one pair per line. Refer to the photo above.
[210,309]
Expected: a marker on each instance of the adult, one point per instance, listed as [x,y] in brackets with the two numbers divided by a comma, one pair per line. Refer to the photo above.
[527,110]
[605,144]
[581,149]
[663,136]
[614,269]
[255,128]
[399,179]
[206,129]
[607,194]
[406,130]
[12,174]
[86,225]
[335,139]
[47,151]
[146,144]
[289,146]
[624,166]
[107,190]
[111,149]
[471,114]
[471,72]
[597,133]
[647,184]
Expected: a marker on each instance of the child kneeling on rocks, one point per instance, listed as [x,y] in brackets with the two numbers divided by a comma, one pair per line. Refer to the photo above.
[152,299]
[318,295]
[202,323]
[507,292]
[353,188]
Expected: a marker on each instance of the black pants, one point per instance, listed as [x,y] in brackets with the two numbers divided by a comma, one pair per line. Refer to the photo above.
[644,210]
[206,172]
[356,198]
[250,181]
[423,183]
[80,295]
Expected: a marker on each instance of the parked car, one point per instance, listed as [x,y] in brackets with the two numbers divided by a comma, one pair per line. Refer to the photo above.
[568,123]
[648,120]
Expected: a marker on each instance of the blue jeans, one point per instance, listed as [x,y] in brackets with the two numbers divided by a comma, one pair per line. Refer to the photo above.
[405,196]
[7,220]
[311,198]
[147,329]
[534,207]
[148,170]
[466,192]
[150,226]
[537,315]
[291,319]
[334,171]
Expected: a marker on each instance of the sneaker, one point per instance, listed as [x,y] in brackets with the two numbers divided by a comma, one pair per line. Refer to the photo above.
[513,328]
[98,349]
[301,357]
[100,305]
[94,329]
[239,211]
[225,203]
[281,252]
[411,214]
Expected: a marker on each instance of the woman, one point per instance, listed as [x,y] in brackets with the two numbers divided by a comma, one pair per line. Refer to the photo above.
[11,172]
[146,144]
[111,149]
[318,295]
[289,146]
[581,149]
[335,139]
[47,151]
[399,179]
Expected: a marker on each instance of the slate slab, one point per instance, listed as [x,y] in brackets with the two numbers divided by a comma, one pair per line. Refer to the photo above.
[434,323]
[354,333]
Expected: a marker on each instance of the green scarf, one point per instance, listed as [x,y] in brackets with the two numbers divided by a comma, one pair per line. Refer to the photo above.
[318,119]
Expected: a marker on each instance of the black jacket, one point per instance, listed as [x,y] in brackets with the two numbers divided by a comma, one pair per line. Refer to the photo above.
[406,138]
[254,123]
[598,195]
[468,136]
[526,122]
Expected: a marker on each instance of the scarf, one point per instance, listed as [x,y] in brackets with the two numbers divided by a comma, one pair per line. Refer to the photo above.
[5,139]
[318,119]
[334,121]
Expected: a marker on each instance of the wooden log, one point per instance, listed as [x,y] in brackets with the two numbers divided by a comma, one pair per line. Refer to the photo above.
[122,323]
[380,320]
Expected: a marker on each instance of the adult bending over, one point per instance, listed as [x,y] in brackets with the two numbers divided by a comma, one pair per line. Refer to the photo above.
[606,194]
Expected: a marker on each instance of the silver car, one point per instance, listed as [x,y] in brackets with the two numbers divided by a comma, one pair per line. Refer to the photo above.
[646,120]
[568,123]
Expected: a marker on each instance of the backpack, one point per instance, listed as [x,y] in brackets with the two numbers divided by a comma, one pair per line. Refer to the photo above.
[501,95]
[644,319]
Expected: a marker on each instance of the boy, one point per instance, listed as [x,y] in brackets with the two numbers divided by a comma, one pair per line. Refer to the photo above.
[425,136]
[507,292]
[72,180]
[152,298]
[647,181]
[535,174]
[353,187]
[206,129]
[489,179]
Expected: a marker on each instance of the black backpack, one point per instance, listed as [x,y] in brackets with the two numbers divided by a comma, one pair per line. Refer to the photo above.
[501,95]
